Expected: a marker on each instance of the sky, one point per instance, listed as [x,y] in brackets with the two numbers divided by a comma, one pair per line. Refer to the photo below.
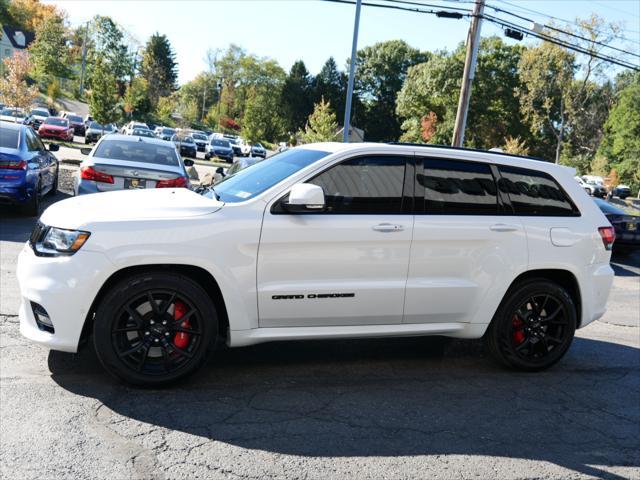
[314,30]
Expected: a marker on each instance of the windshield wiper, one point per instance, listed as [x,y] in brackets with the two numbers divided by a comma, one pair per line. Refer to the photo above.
[215,194]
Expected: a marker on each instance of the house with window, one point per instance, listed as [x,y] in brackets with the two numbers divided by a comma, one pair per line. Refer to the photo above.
[13,40]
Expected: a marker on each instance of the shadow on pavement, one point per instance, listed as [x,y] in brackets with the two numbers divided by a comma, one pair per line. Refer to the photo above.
[15,226]
[626,263]
[392,397]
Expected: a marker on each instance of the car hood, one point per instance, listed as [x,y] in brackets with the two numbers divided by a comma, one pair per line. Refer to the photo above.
[128,205]
[54,127]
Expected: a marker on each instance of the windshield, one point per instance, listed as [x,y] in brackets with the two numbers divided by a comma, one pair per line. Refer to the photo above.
[133,151]
[74,118]
[168,131]
[9,137]
[58,122]
[40,113]
[263,175]
[185,140]
[11,112]
[220,143]
[97,126]
[608,208]
[199,136]
[233,141]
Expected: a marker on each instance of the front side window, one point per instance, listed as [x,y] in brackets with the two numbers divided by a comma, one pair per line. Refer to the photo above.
[454,187]
[535,193]
[372,184]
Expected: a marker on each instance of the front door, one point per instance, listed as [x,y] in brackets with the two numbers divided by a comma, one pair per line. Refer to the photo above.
[346,265]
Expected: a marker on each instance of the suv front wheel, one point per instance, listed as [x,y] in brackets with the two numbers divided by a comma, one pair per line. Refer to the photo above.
[533,327]
[154,328]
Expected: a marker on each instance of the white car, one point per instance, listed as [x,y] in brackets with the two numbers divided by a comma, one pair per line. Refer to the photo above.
[322,241]
[131,126]
[12,114]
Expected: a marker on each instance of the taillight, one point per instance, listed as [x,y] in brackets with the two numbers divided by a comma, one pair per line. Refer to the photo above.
[89,173]
[21,165]
[173,183]
[608,235]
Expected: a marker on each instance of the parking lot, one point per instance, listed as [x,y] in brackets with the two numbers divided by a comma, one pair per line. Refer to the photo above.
[388,408]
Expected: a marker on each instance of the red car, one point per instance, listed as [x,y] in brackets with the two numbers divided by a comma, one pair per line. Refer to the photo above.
[56,127]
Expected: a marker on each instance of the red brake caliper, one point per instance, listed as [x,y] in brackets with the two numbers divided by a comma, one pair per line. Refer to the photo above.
[181,340]
[518,334]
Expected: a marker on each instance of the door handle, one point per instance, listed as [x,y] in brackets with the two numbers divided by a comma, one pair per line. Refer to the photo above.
[503,227]
[388,227]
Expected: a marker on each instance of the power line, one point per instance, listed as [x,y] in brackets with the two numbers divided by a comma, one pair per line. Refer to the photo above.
[421,4]
[562,43]
[406,9]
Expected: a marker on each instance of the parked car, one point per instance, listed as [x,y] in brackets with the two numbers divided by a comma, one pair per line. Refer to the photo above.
[627,226]
[165,133]
[88,119]
[587,188]
[143,132]
[221,148]
[36,117]
[322,241]
[95,131]
[128,162]
[621,191]
[12,114]
[200,140]
[56,127]
[597,188]
[184,145]
[76,122]
[236,146]
[28,170]
[128,128]
[257,150]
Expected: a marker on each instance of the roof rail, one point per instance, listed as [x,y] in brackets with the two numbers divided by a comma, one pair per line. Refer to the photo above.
[466,149]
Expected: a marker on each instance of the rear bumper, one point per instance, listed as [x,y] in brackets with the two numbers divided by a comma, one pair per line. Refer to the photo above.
[595,288]
[15,195]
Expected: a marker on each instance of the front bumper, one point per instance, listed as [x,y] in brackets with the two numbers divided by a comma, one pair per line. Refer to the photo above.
[65,287]
[57,136]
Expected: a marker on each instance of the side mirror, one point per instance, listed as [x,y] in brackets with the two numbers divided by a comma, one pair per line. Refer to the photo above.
[220,170]
[85,150]
[54,147]
[305,198]
[188,162]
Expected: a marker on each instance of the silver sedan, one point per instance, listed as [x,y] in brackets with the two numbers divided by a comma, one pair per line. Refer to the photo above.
[123,162]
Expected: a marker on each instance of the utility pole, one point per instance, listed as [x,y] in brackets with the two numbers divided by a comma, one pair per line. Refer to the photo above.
[352,73]
[473,43]
[84,59]
[204,96]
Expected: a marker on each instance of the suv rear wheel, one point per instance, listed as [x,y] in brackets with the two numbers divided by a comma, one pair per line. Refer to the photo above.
[154,328]
[533,327]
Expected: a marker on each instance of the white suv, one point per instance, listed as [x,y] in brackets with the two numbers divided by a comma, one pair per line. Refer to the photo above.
[318,242]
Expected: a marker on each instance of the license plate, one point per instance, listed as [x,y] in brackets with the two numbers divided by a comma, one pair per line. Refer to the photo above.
[632,227]
[134,183]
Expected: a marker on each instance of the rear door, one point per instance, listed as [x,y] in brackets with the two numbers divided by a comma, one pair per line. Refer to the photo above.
[465,252]
[348,264]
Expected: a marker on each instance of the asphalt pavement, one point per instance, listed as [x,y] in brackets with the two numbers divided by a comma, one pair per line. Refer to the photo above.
[370,409]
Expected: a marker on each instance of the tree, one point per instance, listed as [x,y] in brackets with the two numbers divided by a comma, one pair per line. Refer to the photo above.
[103,99]
[49,54]
[14,89]
[515,146]
[165,109]
[621,141]
[135,101]
[381,71]
[27,14]
[330,84]
[297,101]
[159,67]
[261,121]
[545,97]
[321,126]
[107,43]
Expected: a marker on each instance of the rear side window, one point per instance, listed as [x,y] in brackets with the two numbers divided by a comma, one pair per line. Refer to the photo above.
[364,185]
[9,137]
[535,193]
[454,187]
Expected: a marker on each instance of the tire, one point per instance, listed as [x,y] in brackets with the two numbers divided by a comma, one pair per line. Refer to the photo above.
[532,337]
[32,207]
[144,350]
[207,156]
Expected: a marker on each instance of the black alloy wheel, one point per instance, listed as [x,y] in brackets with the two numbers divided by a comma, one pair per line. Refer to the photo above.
[534,327]
[154,328]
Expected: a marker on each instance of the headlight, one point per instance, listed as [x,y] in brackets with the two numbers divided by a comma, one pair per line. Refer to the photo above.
[54,241]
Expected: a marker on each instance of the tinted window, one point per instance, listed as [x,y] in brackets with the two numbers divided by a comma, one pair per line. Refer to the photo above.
[452,187]
[9,137]
[535,193]
[137,152]
[58,122]
[220,143]
[364,185]
[33,144]
[263,175]
[73,118]
[608,208]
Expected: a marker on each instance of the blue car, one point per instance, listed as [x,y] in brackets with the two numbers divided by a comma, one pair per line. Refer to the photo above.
[28,171]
